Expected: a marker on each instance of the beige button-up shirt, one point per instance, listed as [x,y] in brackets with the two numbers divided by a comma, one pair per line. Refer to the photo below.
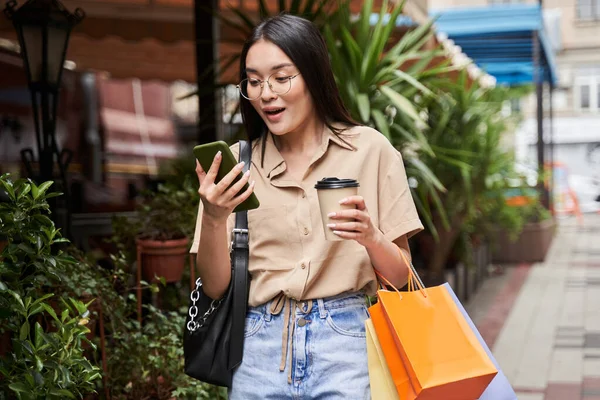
[288,250]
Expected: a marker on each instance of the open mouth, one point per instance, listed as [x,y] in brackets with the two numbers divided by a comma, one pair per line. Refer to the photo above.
[275,112]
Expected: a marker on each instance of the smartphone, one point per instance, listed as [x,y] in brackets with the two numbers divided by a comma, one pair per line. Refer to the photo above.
[205,154]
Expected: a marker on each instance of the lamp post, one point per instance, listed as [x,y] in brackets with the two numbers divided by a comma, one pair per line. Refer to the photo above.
[43,29]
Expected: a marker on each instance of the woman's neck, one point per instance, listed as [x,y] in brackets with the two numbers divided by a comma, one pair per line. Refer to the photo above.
[305,140]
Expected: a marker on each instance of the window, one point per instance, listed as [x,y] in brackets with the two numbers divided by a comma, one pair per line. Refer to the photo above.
[495,2]
[588,10]
[584,97]
[587,93]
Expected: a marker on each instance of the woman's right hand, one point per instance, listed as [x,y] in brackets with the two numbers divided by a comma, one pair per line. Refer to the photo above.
[218,201]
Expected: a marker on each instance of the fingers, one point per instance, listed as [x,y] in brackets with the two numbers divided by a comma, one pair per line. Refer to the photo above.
[234,190]
[211,175]
[353,224]
[243,196]
[358,201]
[348,226]
[200,172]
[352,214]
[230,177]
[349,235]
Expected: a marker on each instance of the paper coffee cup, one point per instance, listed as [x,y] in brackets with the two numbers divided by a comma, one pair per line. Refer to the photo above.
[330,192]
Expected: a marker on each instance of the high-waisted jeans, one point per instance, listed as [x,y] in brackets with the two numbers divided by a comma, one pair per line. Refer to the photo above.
[314,349]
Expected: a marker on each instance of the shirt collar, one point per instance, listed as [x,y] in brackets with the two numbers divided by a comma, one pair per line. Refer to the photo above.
[330,136]
[273,159]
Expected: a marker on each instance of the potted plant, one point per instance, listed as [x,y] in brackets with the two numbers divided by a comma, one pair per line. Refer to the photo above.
[166,223]
[530,240]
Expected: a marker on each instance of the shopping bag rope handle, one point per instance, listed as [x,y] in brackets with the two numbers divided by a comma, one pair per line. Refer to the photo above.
[413,278]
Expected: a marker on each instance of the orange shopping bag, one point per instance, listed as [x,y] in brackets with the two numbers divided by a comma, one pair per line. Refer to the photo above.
[438,349]
[389,379]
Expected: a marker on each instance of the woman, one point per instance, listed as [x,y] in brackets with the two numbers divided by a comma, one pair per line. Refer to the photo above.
[305,334]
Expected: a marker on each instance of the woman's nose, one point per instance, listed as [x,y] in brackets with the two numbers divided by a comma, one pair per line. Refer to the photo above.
[267,94]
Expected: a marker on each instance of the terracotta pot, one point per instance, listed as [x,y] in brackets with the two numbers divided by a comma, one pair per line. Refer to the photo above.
[162,258]
[531,245]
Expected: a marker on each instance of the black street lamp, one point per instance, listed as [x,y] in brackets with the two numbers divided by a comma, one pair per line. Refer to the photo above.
[43,29]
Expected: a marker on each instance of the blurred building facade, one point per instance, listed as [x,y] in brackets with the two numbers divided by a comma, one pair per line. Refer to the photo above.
[573,28]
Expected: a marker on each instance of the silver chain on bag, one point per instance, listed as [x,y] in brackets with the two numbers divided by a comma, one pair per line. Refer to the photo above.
[195,295]
[193,311]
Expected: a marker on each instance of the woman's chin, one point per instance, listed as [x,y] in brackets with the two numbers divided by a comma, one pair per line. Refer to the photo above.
[277,129]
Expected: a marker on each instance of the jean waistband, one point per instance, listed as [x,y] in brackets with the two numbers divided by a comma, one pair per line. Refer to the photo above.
[319,306]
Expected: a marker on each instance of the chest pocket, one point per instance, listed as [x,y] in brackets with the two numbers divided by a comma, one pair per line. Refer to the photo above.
[271,238]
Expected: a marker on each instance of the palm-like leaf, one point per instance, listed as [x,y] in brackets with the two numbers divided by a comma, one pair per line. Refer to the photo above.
[464,131]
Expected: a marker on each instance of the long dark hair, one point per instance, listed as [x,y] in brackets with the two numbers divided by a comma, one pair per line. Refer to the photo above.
[302,42]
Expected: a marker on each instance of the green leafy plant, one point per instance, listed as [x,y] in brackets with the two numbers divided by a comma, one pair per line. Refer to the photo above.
[143,360]
[46,359]
[147,362]
[48,364]
[169,213]
[512,218]
[464,129]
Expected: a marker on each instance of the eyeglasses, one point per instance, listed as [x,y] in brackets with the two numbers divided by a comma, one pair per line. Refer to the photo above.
[252,88]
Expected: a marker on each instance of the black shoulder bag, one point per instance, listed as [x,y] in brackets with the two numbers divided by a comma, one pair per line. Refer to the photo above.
[213,340]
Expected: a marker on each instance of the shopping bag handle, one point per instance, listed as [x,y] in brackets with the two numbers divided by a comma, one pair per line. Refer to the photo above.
[413,278]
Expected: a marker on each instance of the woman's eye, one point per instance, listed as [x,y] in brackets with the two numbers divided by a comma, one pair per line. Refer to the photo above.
[254,82]
[282,79]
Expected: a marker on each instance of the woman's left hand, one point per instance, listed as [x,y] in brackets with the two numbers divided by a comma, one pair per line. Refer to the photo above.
[361,229]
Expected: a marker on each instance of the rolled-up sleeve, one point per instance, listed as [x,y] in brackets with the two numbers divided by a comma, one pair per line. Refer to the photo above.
[397,211]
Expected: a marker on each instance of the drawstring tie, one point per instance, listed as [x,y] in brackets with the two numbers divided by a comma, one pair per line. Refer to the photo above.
[281,302]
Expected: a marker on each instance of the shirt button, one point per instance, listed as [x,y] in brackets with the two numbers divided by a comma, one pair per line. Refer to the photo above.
[301,322]
[305,231]
[303,266]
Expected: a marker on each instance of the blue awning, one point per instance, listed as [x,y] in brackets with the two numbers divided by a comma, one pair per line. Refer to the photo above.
[402,20]
[499,39]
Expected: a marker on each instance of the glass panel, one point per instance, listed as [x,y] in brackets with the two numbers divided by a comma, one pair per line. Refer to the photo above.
[584,96]
[598,96]
[585,9]
[32,36]
[57,40]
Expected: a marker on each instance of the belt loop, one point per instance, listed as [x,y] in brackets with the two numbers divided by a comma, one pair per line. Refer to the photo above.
[267,311]
[322,311]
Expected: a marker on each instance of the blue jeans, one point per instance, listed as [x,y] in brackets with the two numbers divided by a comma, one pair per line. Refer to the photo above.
[328,356]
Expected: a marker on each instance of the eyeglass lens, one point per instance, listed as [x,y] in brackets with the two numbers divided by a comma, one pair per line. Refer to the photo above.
[252,88]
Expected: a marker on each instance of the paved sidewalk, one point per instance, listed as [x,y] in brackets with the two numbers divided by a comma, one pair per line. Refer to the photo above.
[543,321]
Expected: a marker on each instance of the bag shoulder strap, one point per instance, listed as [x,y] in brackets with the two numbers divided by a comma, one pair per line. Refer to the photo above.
[241,218]
[239,274]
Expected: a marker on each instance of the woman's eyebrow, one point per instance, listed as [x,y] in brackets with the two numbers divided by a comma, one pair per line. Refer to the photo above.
[276,67]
